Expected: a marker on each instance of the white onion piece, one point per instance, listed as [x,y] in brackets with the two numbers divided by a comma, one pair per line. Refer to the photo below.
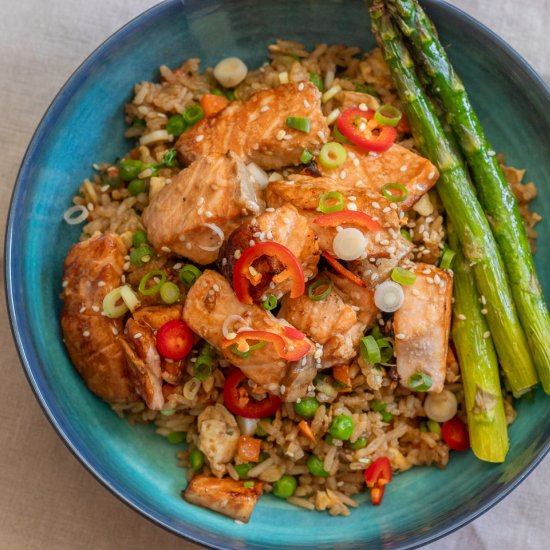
[424,205]
[388,296]
[230,71]
[227,326]
[333,116]
[258,175]
[441,406]
[247,425]
[349,244]
[330,93]
[129,297]
[219,233]
[154,137]
[75,214]
[113,304]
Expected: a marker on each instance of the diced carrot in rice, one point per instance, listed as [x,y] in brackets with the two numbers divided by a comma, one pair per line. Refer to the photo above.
[249,449]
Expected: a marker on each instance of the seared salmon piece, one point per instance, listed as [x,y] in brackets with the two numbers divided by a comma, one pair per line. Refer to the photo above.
[422,325]
[283,226]
[204,203]
[92,269]
[225,496]
[374,170]
[387,243]
[256,129]
[211,301]
[218,437]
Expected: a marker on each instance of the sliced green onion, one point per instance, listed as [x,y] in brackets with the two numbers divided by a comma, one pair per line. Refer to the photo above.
[327,204]
[113,304]
[176,125]
[306,157]
[406,234]
[300,123]
[403,276]
[376,332]
[386,416]
[176,437]
[139,238]
[170,158]
[386,349]
[388,115]
[420,381]
[330,93]
[395,192]
[155,288]
[141,255]
[270,303]
[316,79]
[434,427]
[193,114]
[370,352]
[338,136]
[423,427]
[366,89]
[248,484]
[189,274]
[447,258]
[380,407]
[169,293]
[129,169]
[317,297]
[202,367]
[136,187]
[129,297]
[247,354]
[196,459]
[332,155]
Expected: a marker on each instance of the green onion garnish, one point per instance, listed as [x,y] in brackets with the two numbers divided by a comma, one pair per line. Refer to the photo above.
[246,354]
[316,292]
[196,459]
[155,288]
[169,293]
[300,123]
[446,258]
[170,158]
[270,303]
[139,238]
[406,234]
[202,368]
[136,187]
[189,274]
[403,276]
[388,115]
[331,202]
[366,89]
[386,349]
[113,304]
[130,168]
[193,114]
[332,155]
[420,381]
[306,157]
[380,407]
[248,484]
[141,255]
[317,80]
[434,427]
[395,192]
[370,352]
[176,125]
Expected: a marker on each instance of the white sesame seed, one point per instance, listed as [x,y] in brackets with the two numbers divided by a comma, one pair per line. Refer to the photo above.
[288,137]
[224,261]
[82,309]
[416,292]
[101,283]
[264,109]
[209,214]
[137,335]
[90,206]
[280,135]
[356,162]
[304,362]
[199,138]
[384,242]
[307,104]
[283,389]
[483,300]
[376,205]
[352,198]
[343,175]
[165,249]
[270,209]
[363,107]
[251,242]
[200,211]
[484,311]
[386,209]
[362,126]
[430,280]
[104,188]
[431,175]
[461,316]
[269,235]
[114,331]
[437,279]
[86,333]
[237,254]
[95,308]
[321,135]
[126,266]
[486,334]
[318,353]
[339,228]
[373,154]
[403,168]
[491,153]
[301,86]
[64,284]
[200,201]
[400,336]
[252,271]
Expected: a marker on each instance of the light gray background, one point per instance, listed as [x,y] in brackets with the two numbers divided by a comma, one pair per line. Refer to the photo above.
[47,499]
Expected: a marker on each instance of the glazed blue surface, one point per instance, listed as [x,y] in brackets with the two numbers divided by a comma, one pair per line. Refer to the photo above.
[85,125]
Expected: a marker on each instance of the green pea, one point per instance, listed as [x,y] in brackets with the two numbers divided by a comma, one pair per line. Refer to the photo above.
[315,466]
[341,427]
[260,432]
[360,443]
[434,427]
[176,437]
[176,125]
[136,187]
[243,469]
[129,169]
[196,459]
[285,486]
[386,416]
[139,238]
[329,439]
[306,407]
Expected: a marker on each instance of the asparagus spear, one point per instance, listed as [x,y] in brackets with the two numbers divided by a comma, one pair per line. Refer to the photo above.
[478,364]
[463,209]
[494,193]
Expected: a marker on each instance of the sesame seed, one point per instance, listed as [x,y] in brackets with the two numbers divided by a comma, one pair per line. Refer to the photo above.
[101,283]
[461,316]
[307,104]
[376,205]
[304,362]
[483,300]
[200,201]
[484,311]
[385,242]
[252,271]
[82,309]
[199,138]
[403,168]
[491,153]
[209,214]
[264,109]
[64,284]
[90,206]
[165,249]
[352,198]
[237,254]
[188,246]
[343,174]
[356,162]
[280,135]
[269,235]
[373,154]
[386,209]
[95,308]
[287,137]
[126,266]
[104,188]
[426,271]
[114,331]
[363,107]
[339,228]
[301,86]
[437,279]
[270,209]
[430,280]
[86,333]
[283,389]
[321,135]
[251,242]
[200,211]
[224,261]
[318,353]
[355,308]
[362,126]
[137,335]
[431,175]
[486,334]
[352,206]
[416,292]
[400,336]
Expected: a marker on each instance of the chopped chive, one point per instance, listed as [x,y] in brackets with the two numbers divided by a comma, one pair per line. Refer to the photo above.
[420,381]
[403,276]
[447,258]
[406,234]
[188,274]
[248,484]
[316,79]
[202,368]
[366,89]
[395,192]
[370,352]
[193,114]
[300,123]
[155,288]
[306,157]
[332,155]
[270,303]
[315,291]
[434,427]
[246,354]
[141,255]
[332,201]
[388,115]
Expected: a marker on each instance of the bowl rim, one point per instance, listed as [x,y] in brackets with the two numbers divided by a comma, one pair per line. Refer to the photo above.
[23,177]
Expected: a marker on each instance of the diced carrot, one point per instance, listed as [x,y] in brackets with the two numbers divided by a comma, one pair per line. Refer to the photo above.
[303,426]
[212,104]
[341,374]
[249,449]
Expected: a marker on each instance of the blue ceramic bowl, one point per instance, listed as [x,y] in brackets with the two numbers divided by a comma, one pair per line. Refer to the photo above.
[85,124]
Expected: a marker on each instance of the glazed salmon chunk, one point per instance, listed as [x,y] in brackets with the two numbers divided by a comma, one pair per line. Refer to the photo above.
[422,326]
[192,215]
[92,269]
[256,130]
[211,302]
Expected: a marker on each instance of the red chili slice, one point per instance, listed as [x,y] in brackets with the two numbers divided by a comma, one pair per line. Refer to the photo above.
[242,276]
[364,131]
[339,268]
[455,434]
[239,402]
[377,476]
[348,216]
[294,333]
[174,340]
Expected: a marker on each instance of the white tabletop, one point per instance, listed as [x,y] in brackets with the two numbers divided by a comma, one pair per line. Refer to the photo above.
[47,499]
